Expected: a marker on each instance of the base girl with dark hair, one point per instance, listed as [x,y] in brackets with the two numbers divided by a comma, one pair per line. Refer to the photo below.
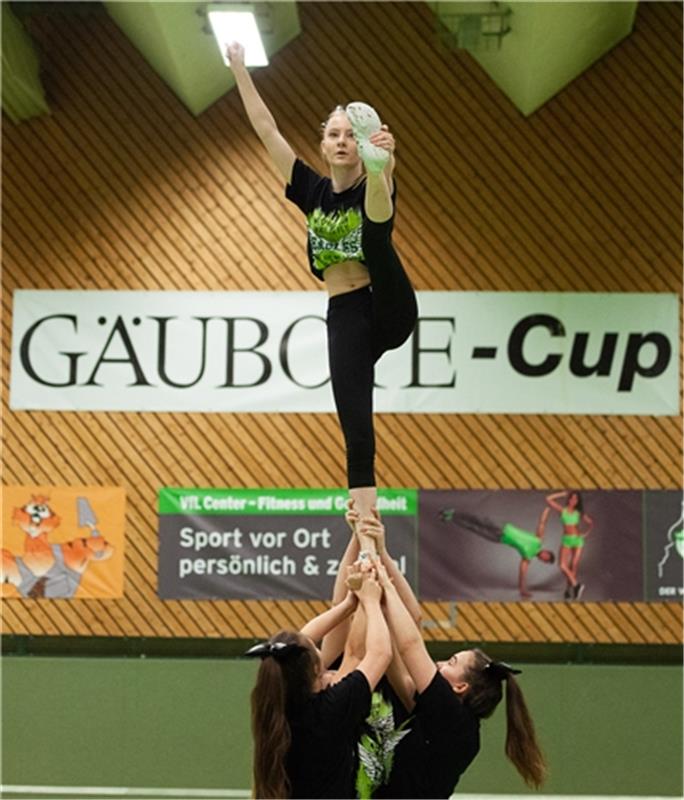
[305,726]
[447,700]
[372,306]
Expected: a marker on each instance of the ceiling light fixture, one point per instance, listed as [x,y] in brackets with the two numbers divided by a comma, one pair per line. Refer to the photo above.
[237,23]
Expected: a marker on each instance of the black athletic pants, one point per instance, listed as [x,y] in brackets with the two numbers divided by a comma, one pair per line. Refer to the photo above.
[362,325]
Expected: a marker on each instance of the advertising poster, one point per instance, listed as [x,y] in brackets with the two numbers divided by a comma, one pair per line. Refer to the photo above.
[63,542]
[664,545]
[268,543]
[556,545]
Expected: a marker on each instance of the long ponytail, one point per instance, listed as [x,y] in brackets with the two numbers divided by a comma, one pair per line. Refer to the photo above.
[522,747]
[271,732]
[485,694]
[284,678]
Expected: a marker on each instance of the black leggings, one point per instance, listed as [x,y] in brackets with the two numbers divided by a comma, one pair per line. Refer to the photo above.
[362,325]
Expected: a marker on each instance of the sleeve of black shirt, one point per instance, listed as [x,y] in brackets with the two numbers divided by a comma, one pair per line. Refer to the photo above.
[441,713]
[300,189]
[348,702]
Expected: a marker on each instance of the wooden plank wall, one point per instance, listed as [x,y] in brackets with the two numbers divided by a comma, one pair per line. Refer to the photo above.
[121,188]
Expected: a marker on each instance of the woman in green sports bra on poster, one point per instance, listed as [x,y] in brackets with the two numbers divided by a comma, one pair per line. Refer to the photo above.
[571,513]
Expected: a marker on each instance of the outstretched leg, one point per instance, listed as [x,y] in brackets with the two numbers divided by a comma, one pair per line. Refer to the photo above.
[394,302]
[395,310]
[477,525]
[378,203]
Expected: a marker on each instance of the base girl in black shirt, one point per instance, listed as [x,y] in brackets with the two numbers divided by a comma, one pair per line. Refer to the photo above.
[372,306]
[305,727]
[447,700]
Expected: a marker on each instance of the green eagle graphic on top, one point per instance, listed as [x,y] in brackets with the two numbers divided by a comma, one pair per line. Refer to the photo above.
[335,237]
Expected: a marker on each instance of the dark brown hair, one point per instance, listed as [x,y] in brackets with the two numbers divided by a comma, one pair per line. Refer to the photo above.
[484,695]
[284,680]
[580,504]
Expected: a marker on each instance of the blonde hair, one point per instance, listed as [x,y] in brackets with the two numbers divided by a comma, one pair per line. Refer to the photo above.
[337,110]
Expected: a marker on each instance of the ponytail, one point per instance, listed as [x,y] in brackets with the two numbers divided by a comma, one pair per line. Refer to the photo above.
[522,747]
[288,669]
[485,694]
[271,732]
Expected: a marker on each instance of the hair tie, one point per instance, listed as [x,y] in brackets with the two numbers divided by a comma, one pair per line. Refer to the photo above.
[275,649]
[501,670]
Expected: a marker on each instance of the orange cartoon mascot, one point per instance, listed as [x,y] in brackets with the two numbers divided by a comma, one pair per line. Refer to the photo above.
[51,570]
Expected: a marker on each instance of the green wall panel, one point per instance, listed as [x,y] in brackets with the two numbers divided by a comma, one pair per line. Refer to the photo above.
[126,722]
[184,723]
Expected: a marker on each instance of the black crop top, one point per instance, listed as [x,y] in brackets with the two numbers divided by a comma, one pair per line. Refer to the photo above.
[334,219]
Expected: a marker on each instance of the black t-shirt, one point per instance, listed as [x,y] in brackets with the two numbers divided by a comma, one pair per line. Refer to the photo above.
[322,759]
[444,739]
[409,754]
[334,219]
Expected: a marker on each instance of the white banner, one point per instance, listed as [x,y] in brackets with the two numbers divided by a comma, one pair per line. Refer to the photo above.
[471,352]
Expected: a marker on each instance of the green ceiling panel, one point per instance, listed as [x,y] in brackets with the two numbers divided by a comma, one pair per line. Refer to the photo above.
[549,44]
[171,37]
[22,92]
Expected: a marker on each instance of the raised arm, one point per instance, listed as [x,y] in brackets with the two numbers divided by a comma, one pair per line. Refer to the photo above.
[333,643]
[552,500]
[400,680]
[374,528]
[407,637]
[543,519]
[354,652]
[355,646]
[317,628]
[378,651]
[259,115]
[522,577]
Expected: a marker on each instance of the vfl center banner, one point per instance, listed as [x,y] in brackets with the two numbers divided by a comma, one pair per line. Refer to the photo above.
[268,543]
[471,352]
[62,542]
